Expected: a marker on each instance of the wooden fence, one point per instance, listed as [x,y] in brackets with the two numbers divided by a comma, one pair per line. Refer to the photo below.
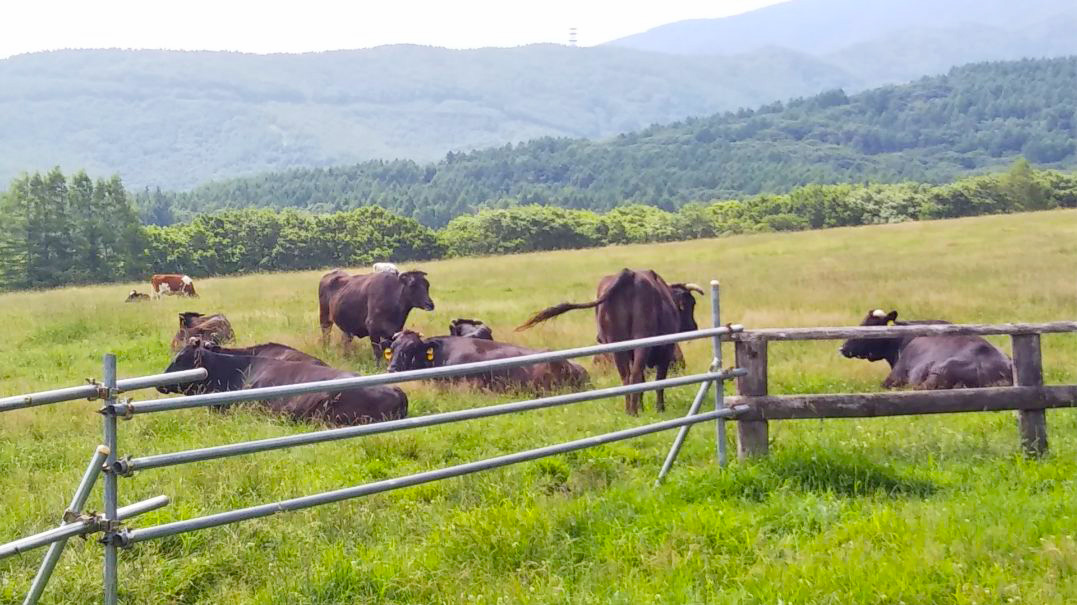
[1028,396]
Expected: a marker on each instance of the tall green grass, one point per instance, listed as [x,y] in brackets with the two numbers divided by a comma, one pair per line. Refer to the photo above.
[932,509]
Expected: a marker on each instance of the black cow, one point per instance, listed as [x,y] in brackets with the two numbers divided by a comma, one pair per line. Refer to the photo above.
[375,304]
[212,328]
[410,351]
[931,362]
[234,372]
[272,350]
[472,328]
[631,305]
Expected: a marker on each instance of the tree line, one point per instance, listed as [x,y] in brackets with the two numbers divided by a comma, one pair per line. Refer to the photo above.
[975,118]
[61,230]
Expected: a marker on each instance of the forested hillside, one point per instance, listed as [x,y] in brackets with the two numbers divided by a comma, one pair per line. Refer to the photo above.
[176,119]
[975,118]
[60,231]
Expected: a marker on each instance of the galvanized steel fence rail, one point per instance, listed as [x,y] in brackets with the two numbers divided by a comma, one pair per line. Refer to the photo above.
[115,535]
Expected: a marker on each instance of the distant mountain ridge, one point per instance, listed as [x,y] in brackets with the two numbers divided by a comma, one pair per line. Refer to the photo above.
[176,119]
[821,27]
[975,118]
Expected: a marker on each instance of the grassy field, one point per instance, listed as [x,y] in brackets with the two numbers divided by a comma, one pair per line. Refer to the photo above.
[934,509]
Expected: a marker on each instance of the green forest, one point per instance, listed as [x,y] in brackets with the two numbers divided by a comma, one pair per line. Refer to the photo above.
[69,230]
[975,119]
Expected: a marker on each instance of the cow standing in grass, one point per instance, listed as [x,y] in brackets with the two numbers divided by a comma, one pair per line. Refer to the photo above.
[631,305]
[374,305]
[931,362]
[172,284]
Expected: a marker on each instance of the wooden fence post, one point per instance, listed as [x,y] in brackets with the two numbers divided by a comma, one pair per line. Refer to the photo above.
[1028,372]
[752,435]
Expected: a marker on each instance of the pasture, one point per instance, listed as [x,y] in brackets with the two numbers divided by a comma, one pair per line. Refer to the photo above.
[932,509]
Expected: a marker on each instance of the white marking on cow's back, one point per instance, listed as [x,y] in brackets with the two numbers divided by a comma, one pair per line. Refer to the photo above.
[878,313]
[186,280]
[385,268]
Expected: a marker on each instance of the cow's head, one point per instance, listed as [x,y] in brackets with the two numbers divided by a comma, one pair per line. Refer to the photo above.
[188,358]
[416,291]
[472,328]
[686,305]
[186,318]
[408,351]
[872,349]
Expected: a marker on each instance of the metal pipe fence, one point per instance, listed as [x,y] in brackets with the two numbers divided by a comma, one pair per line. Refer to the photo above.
[116,535]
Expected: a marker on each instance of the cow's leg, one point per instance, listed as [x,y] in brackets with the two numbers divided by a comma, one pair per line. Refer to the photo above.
[326,324]
[622,359]
[660,372]
[346,342]
[639,363]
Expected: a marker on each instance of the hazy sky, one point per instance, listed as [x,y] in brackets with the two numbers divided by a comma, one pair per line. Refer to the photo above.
[264,26]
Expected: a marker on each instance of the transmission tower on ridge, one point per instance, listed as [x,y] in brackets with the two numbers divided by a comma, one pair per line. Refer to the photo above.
[572,36]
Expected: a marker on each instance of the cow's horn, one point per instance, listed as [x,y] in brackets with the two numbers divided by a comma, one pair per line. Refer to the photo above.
[694,287]
[397,335]
[878,313]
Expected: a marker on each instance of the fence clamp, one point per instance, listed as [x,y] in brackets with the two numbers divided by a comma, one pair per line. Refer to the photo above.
[128,411]
[122,467]
[103,392]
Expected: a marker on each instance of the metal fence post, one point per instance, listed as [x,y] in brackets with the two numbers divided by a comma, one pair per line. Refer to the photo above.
[111,579]
[719,385]
[77,502]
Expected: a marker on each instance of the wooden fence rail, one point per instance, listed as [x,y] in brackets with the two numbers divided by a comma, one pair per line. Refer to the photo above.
[1029,397]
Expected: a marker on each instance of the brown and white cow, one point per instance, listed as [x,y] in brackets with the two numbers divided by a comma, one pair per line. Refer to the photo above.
[172,283]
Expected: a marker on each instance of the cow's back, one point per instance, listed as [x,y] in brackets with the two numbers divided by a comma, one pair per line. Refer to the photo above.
[944,362]
[642,308]
[355,406]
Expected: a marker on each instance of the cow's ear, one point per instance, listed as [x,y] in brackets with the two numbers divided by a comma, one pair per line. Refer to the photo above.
[891,316]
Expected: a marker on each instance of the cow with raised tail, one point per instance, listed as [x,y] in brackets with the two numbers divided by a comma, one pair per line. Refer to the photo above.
[631,305]
[931,362]
[373,305]
[172,284]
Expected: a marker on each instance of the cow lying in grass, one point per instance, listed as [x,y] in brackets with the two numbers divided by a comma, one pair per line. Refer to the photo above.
[931,362]
[209,328]
[410,351]
[472,328]
[231,372]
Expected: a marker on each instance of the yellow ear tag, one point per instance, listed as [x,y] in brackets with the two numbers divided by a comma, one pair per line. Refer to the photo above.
[430,354]
[388,354]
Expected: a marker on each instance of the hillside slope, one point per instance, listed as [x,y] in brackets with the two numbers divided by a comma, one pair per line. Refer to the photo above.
[932,130]
[175,119]
[930,509]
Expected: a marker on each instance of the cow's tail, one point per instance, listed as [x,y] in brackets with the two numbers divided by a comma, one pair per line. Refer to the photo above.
[554,311]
